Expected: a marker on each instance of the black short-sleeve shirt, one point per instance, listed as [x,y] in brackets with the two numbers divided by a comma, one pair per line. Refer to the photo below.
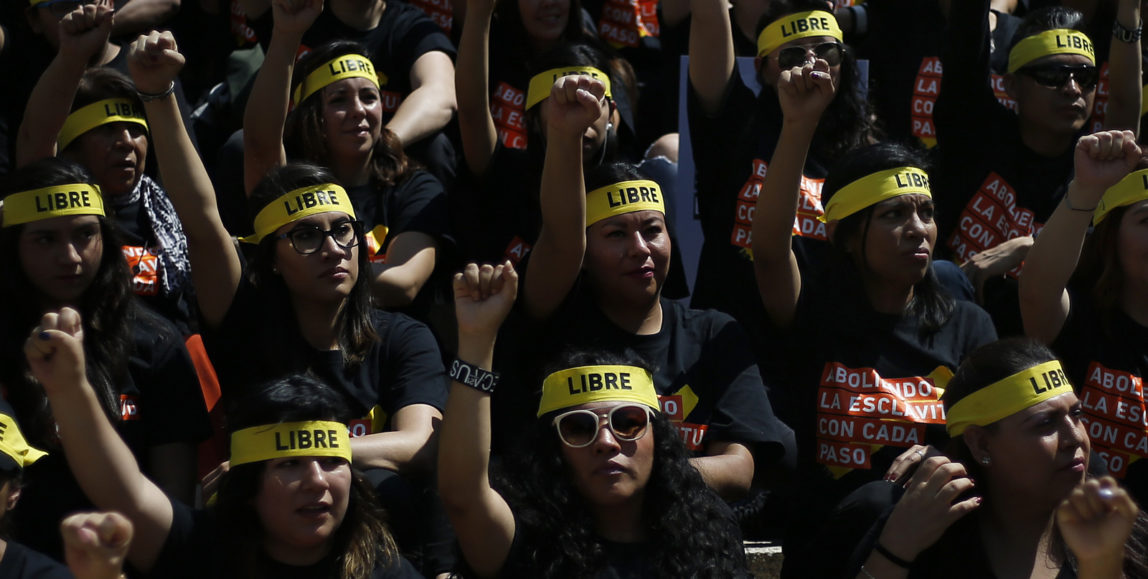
[403,367]
[20,562]
[418,203]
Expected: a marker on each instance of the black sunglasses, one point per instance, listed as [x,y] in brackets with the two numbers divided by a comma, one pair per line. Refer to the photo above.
[794,56]
[1057,75]
[307,239]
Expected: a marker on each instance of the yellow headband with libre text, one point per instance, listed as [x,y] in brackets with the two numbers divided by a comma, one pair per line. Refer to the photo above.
[1048,43]
[797,26]
[12,443]
[49,202]
[1008,396]
[297,204]
[624,197]
[1130,190]
[99,113]
[336,69]
[873,189]
[290,439]
[585,384]
[540,85]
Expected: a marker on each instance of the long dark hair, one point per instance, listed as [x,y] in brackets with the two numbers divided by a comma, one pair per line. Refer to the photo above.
[511,32]
[930,303]
[996,361]
[303,129]
[848,121]
[356,334]
[107,308]
[360,542]
[691,532]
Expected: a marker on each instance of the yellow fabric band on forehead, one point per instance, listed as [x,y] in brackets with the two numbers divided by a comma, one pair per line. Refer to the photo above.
[1130,190]
[797,26]
[1008,396]
[96,114]
[1048,43]
[574,386]
[873,189]
[290,439]
[12,443]
[49,202]
[336,69]
[624,197]
[540,85]
[300,203]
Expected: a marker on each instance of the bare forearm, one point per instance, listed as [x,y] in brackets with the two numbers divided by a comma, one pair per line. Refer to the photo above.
[562,241]
[728,472]
[471,81]
[47,109]
[425,111]
[711,52]
[402,452]
[267,108]
[1124,74]
[139,16]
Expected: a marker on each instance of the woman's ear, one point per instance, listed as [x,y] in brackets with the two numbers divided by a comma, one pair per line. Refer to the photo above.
[977,439]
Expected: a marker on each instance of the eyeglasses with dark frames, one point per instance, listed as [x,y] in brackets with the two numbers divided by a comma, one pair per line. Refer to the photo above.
[307,239]
[796,56]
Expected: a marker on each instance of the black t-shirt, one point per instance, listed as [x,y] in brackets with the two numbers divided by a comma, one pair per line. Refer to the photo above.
[20,562]
[864,386]
[403,367]
[403,35]
[418,203]
[160,403]
[192,550]
[904,76]
[622,560]
[731,154]
[705,374]
[1107,361]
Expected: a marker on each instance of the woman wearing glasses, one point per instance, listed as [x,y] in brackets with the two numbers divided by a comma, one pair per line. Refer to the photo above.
[304,303]
[606,489]
[734,135]
[1001,173]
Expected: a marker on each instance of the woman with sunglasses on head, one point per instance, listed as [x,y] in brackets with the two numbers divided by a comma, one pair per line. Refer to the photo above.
[596,279]
[305,299]
[1001,173]
[1013,497]
[602,488]
[291,505]
[735,135]
[59,248]
[1086,294]
[337,122]
[869,337]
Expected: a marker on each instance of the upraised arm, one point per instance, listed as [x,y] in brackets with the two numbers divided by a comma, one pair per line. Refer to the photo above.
[99,458]
[1124,74]
[1101,161]
[155,61]
[711,52]
[804,93]
[96,544]
[574,104]
[83,34]
[472,85]
[483,297]
[271,94]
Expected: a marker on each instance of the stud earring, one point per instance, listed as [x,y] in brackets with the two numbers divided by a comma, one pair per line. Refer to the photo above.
[986,460]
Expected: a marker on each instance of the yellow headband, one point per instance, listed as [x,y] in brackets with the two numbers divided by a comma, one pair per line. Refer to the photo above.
[336,69]
[12,443]
[1047,43]
[99,113]
[624,197]
[1131,189]
[49,202]
[300,203]
[584,384]
[795,26]
[288,439]
[540,85]
[1008,396]
[875,188]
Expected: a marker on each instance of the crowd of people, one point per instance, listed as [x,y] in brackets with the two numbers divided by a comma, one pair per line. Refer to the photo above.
[397,288]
